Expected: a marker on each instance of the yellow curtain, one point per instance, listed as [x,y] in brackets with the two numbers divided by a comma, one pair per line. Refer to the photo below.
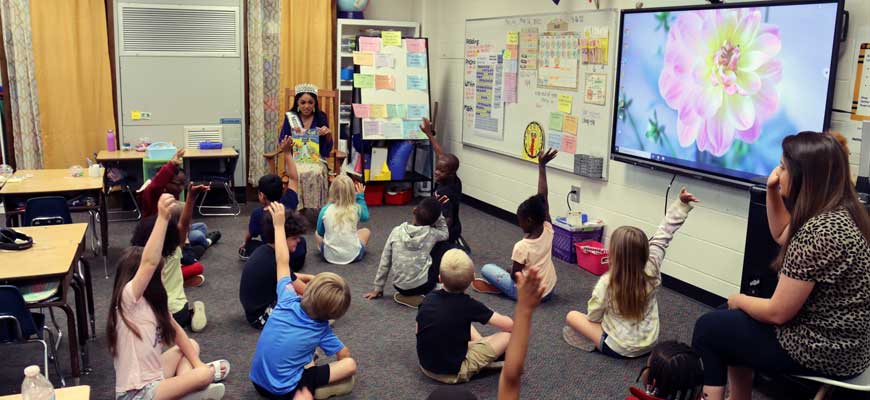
[307,45]
[71,60]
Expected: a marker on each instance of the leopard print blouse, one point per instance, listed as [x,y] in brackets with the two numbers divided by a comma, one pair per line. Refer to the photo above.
[831,332]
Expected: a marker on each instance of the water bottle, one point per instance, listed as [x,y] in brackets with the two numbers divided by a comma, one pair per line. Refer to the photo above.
[36,386]
[110,140]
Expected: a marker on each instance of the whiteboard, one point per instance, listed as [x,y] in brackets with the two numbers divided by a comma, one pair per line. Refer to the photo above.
[401,88]
[498,108]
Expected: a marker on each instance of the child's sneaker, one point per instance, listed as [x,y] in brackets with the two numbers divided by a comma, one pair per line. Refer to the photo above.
[198,322]
[339,388]
[577,340]
[410,301]
[195,281]
[243,253]
[482,286]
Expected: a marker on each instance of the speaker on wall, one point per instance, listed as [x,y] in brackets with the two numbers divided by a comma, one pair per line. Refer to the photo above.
[760,251]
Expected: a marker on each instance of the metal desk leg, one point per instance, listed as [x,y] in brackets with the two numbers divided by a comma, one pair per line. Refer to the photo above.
[104,233]
[89,293]
[81,323]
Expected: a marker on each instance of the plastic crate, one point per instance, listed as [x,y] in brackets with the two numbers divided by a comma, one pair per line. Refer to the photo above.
[374,195]
[592,256]
[563,241]
[160,151]
[399,198]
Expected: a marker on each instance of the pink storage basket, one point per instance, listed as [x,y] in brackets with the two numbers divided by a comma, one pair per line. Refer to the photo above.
[592,256]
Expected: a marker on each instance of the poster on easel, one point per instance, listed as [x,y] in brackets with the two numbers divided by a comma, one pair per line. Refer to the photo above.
[393,79]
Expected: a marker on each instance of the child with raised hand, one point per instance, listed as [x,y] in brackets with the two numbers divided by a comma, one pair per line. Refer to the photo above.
[534,250]
[673,371]
[296,327]
[450,350]
[448,191]
[622,319]
[139,325]
[174,276]
[406,253]
[530,290]
[337,236]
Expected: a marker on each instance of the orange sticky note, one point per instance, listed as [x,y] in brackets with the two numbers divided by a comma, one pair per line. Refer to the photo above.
[385,82]
[569,125]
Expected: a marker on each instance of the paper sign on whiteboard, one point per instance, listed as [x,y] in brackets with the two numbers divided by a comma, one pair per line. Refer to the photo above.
[861,96]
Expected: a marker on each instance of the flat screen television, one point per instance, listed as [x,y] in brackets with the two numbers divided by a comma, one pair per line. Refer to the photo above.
[710,91]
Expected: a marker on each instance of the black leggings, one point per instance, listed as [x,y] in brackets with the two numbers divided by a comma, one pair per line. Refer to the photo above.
[726,338]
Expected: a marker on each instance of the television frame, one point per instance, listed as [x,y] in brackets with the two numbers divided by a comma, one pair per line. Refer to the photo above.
[699,173]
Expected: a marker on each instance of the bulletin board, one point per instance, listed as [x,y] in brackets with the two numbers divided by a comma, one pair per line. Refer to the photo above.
[538,81]
[392,75]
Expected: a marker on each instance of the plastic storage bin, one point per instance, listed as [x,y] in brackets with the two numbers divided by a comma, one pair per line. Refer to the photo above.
[592,256]
[374,195]
[400,197]
[564,240]
[160,151]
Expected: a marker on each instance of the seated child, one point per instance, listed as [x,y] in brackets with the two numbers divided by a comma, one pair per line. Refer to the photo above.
[172,274]
[536,247]
[297,326]
[673,371]
[448,190]
[407,254]
[139,326]
[337,236]
[256,287]
[623,314]
[450,350]
[269,190]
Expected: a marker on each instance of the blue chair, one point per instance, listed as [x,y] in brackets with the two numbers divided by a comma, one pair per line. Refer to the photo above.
[49,210]
[224,180]
[20,326]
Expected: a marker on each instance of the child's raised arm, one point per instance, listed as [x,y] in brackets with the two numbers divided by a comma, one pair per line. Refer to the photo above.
[282,253]
[187,213]
[673,220]
[543,159]
[530,290]
[151,254]
[362,207]
[429,129]
[290,164]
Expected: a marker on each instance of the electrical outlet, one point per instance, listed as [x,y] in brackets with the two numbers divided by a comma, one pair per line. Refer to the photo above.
[145,115]
[574,196]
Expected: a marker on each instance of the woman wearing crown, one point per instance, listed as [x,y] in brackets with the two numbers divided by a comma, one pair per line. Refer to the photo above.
[307,109]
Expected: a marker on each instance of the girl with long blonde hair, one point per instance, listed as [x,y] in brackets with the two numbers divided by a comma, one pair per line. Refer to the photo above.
[337,236]
[622,319]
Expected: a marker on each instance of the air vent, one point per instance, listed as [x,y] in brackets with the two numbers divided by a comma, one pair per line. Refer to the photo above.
[195,134]
[174,30]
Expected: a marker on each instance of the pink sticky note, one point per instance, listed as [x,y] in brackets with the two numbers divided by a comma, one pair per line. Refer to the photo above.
[415,45]
[569,144]
[372,44]
[361,110]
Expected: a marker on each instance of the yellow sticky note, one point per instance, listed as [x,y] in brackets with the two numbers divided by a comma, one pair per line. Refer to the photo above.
[513,38]
[363,58]
[378,111]
[391,38]
[508,55]
[135,115]
[565,102]
[570,124]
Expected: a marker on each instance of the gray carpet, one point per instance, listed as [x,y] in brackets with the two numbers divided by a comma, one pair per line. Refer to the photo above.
[379,333]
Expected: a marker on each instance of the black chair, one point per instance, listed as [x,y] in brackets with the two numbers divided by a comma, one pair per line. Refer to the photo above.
[20,326]
[223,178]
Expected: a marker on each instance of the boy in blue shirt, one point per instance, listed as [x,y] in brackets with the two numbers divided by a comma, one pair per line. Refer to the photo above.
[296,327]
[269,190]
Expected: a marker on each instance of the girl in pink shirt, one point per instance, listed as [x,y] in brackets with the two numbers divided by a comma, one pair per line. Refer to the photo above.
[139,325]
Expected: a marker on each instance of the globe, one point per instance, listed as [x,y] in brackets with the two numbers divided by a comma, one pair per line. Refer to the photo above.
[352,5]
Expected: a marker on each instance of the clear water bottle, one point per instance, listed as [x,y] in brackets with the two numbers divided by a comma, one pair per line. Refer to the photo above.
[36,386]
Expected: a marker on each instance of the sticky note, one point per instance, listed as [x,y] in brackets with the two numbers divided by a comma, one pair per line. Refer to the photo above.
[415,45]
[361,110]
[569,144]
[513,38]
[411,128]
[377,111]
[363,81]
[385,82]
[418,82]
[368,43]
[392,129]
[570,124]
[391,38]
[416,60]
[135,115]
[565,102]
[554,140]
[385,61]
[418,111]
[555,121]
[507,55]
[371,127]
[363,58]
[397,111]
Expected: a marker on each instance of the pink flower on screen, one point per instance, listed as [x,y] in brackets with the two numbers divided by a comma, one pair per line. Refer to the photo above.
[720,74]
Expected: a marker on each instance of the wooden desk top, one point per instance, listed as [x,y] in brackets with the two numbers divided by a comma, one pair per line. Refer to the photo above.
[53,251]
[82,392]
[224,152]
[50,181]
[118,155]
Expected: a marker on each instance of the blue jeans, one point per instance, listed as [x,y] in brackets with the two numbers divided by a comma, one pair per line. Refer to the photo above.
[501,279]
[197,233]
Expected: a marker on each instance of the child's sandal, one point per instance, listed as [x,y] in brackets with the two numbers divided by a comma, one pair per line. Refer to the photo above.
[218,376]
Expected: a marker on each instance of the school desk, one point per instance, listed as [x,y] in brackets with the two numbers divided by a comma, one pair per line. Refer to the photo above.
[82,392]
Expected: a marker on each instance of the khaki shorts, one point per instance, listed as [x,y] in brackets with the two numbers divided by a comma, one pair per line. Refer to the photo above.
[479,355]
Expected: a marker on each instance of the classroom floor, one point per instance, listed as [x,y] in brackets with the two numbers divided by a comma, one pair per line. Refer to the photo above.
[379,333]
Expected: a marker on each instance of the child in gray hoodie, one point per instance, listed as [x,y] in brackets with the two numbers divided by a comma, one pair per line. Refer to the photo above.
[407,254]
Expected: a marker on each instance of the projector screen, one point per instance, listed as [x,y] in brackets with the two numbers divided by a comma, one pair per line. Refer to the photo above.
[711,91]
